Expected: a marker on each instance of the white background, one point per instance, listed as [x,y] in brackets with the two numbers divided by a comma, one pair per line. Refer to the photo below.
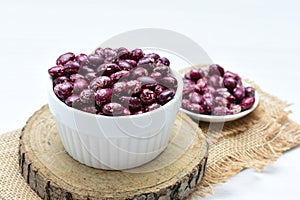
[258,39]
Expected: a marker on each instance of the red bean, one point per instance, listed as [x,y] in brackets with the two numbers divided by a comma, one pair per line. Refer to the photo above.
[202,82]
[151,107]
[169,82]
[152,55]
[188,82]
[60,79]
[196,108]
[231,98]
[74,77]
[249,91]
[133,87]
[82,59]
[185,103]
[162,69]
[239,83]
[156,75]
[239,93]
[132,103]
[71,67]
[119,88]
[165,96]
[195,97]
[110,55]
[220,91]
[147,96]
[126,112]
[90,76]
[107,69]
[95,60]
[223,92]
[247,103]
[56,71]
[139,112]
[147,82]
[208,95]
[220,111]
[125,65]
[195,74]
[221,101]
[100,82]
[114,109]
[123,53]
[85,69]
[215,81]
[71,100]
[87,96]
[201,85]
[147,63]
[207,105]
[79,85]
[138,72]
[132,62]
[229,82]
[187,76]
[64,58]
[216,69]
[103,96]
[100,52]
[63,90]
[158,89]
[136,54]
[209,89]
[163,60]
[123,74]
[187,90]
[231,74]
[235,108]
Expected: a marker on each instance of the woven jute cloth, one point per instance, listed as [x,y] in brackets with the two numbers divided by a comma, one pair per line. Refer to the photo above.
[251,142]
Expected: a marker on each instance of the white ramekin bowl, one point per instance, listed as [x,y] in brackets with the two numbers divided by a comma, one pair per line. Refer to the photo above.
[115,143]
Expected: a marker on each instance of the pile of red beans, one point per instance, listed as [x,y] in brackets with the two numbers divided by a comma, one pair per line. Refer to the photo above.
[113,82]
[213,91]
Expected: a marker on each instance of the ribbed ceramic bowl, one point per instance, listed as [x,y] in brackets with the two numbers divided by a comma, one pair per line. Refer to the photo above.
[115,143]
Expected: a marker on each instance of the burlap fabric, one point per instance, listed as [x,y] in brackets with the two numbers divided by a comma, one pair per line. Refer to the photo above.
[251,142]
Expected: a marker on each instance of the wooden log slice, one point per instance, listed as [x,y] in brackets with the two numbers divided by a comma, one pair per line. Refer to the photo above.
[53,174]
